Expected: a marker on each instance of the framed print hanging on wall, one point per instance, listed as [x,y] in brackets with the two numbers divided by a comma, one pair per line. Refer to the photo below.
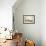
[28,19]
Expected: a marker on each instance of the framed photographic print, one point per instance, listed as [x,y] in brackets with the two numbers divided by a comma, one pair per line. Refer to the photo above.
[28,19]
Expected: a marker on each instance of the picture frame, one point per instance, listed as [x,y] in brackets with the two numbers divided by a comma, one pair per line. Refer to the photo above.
[28,19]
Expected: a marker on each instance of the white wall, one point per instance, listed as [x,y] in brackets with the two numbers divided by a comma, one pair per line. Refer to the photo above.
[43,22]
[6,13]
[31,31]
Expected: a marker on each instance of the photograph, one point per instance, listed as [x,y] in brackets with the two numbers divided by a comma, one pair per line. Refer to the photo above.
[28,19]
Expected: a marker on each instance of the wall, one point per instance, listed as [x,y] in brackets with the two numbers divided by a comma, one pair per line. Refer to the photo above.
[43,22]
[30,31]
[6,13]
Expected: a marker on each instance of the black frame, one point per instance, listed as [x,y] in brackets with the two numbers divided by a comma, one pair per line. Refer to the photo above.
[29,23]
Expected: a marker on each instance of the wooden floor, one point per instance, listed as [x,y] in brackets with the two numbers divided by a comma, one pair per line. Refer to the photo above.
[9,43]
